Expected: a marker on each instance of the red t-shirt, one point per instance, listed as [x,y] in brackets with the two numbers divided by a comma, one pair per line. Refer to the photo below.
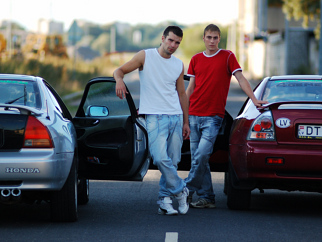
[212,77]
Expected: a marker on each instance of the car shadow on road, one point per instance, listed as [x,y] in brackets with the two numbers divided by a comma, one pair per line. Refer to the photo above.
[290,203]
[26,214]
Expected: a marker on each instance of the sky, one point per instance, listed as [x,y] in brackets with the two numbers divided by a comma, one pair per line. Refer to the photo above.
[187,12]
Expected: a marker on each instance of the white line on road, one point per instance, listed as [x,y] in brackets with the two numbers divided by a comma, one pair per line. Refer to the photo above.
[171,237]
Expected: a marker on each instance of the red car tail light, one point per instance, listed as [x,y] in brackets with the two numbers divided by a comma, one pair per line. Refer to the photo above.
[266,123]
[262,128]
[36,135]
[274,161]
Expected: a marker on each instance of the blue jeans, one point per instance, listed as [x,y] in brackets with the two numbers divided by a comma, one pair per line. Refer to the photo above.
[204,131]
[165,142]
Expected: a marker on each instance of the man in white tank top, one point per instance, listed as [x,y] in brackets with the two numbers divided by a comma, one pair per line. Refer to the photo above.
[164,103]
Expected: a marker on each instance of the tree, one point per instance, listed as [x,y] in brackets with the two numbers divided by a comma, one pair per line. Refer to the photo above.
[305,10]
[86,40]
[192,42]
[102,43]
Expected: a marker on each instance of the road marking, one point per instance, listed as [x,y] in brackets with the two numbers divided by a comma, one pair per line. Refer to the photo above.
[171,237]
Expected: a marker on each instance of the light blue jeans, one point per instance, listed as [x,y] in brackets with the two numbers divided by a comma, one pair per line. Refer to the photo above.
[204,131]
[165,142]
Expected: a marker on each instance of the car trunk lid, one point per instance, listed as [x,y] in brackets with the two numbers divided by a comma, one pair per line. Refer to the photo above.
[12,128]
[13,120]
[298,122]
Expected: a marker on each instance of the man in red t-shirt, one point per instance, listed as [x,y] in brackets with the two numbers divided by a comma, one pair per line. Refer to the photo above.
[210,74]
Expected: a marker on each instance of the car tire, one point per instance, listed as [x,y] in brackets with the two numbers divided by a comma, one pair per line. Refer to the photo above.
[64,202]
[237,199]
[225,183]
[83,191]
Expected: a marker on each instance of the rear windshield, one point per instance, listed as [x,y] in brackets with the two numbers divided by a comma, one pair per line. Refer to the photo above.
[17,92]
[293,90]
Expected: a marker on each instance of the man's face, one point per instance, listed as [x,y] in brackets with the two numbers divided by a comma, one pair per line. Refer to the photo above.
[211,40]
[171,43]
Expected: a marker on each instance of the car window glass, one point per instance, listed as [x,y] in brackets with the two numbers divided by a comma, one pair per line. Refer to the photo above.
[52,97]
[103,94]
[293,90]
[20,92]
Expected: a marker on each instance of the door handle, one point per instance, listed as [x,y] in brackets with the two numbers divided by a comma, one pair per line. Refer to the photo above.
[95,122]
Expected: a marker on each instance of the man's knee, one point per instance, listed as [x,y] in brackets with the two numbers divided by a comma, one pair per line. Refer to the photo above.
[161,162]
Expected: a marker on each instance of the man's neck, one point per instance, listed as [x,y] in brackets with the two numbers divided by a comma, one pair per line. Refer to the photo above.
[162,53]
[211,52]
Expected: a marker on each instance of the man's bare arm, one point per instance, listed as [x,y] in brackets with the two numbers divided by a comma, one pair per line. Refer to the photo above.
[184,105]
[136,62]
[244,84]
[191,87]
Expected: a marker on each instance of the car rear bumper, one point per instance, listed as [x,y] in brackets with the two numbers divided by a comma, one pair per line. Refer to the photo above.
[299,162]
[30,169]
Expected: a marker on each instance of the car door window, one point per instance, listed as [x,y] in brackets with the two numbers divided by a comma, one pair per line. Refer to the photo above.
[103,94]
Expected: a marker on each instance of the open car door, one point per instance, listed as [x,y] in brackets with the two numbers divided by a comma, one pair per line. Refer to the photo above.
[112,139]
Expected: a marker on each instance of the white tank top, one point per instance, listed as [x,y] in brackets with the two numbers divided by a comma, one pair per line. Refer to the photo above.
[158,93]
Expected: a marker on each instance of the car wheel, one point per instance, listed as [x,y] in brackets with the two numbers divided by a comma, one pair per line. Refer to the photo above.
[64,202]
[225,182]
[237,199]
[83,191]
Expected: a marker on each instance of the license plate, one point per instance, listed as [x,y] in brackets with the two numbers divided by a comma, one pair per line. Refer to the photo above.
[310,131]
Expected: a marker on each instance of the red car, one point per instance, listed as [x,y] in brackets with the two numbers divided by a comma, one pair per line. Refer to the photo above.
[278,146]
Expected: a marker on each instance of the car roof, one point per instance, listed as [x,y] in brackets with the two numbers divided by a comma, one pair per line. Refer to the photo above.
[19,77]
[296,77]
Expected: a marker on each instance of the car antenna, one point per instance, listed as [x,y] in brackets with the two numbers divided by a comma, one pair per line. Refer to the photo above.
[47,111]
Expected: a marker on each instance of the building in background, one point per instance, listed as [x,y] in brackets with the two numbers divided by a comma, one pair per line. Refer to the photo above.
[14,36]
[50,27]
[269,44]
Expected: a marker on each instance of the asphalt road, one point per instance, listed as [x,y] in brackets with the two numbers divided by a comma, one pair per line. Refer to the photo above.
[127,211]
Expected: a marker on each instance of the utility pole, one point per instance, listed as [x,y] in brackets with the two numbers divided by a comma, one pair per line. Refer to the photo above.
[113,40]
[9,33]
[320,41]
[286,38]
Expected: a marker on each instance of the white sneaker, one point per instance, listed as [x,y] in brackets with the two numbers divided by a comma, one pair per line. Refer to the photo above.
[182,200]
[166,207]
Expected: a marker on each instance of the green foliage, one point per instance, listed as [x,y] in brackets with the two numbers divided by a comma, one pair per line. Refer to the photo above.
[58,72]
[87,40]
[305,10]
[124,43]
[150,38]
[192,42]
[151,35]
[303,70]
[275,3]
[102,43]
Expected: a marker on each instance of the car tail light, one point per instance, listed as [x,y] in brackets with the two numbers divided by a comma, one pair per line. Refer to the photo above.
[274,161]
[36,135]
[262,128]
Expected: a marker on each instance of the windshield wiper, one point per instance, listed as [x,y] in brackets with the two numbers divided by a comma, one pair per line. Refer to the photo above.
[23,96]
[14,100]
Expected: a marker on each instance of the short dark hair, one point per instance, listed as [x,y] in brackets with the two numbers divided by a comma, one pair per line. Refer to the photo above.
[211,28]
[174,29]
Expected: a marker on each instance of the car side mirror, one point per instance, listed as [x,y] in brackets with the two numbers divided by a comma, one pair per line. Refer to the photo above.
[97,111]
